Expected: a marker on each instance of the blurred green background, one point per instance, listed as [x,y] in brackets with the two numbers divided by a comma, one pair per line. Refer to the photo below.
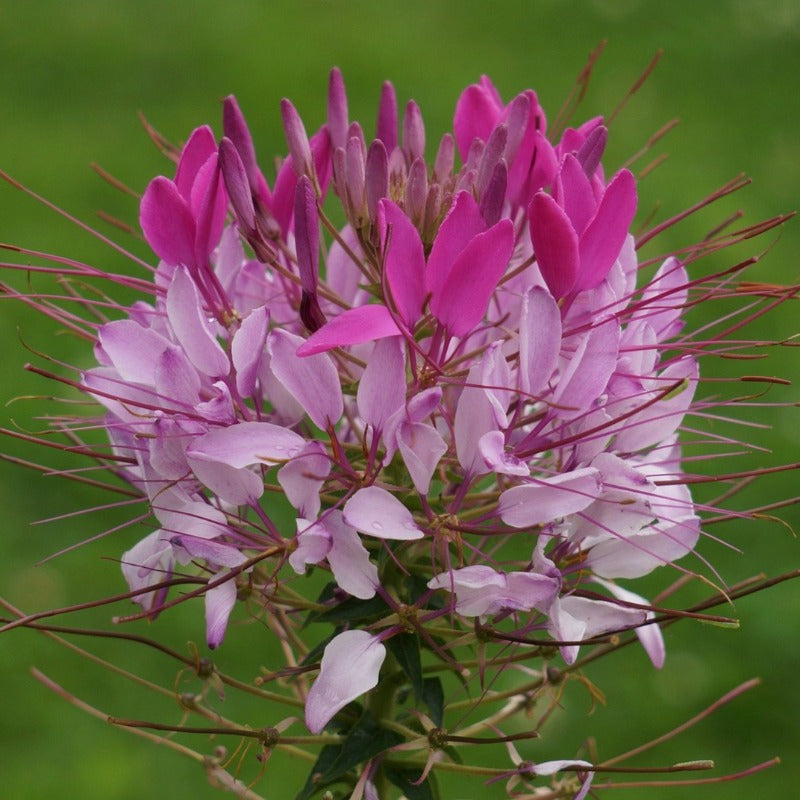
[74,75]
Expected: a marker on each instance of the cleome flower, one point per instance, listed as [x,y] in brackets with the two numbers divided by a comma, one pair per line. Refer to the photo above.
[461,406]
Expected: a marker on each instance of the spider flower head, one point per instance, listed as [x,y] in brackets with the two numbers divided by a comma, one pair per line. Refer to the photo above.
[461,406]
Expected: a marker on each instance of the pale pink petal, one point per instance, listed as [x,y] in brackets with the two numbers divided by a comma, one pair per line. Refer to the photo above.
[132,349]
[376,512]
[422,446]
[313,381]
[219,602]
[349,559]
[247,443]
[549,499]
[493,449]
[650,636]
[191,327]
[475,416]
[217,553]
[147,563]
[356,325]
[313,544]
[302,478]
[539,339]
[382,388]
[247,349]
[176,378]
[235,485]
[350,666]
[589,366]
[660,420]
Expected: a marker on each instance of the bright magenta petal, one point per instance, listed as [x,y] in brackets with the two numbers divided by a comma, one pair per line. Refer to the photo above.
[555,244]
[601,242]
[404,261]
[461,302]
[167,222]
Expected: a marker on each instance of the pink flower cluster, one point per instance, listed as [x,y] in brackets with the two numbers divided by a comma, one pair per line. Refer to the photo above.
[458,385]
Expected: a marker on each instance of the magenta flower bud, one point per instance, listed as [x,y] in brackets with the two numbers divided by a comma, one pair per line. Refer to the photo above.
[354,171]
[297,140]
[236,130]
[397,173]
[413,132]
[337,109]
[376,177]
[591,151]
[386,129]
[235,176]
[494,195]
[417,191]
[519,110]
[306,233]
[492,153]
[445,158]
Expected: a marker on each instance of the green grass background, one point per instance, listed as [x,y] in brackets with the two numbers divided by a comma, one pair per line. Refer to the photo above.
[74,75]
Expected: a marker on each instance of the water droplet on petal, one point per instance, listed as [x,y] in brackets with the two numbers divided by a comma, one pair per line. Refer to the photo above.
[378,526]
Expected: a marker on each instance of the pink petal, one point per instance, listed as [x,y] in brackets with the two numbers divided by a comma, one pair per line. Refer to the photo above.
[350,666]
[312,381]
[376,512]
[549,499]
[463,298]
[356,325]
[167,222]
[404,261]
[191,327]
[555,244]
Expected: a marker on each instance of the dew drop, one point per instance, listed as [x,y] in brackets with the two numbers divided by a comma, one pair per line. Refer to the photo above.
[377,526]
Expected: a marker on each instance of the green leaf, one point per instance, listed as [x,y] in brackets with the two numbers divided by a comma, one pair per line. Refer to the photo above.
[365,740]
[352,610]
[327,757]
[404,780]
[405,649]
[433,697]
